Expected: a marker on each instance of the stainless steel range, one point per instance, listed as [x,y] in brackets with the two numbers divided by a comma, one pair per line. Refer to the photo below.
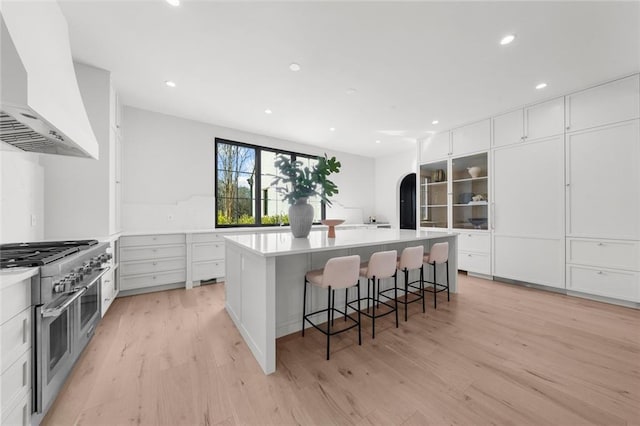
[66,307]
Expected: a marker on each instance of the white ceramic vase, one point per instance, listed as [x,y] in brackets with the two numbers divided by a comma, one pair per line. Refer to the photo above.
[301,218]
[474,171]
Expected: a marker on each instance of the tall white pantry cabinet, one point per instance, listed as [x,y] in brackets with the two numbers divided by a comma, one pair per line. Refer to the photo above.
[564,191]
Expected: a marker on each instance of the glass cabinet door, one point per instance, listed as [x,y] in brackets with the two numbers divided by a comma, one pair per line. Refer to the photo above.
[470,188]
[434,195]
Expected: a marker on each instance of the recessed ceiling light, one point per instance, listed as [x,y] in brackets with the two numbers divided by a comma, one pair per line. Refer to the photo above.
[174,2]
[377,141]
[435,122]
[294,67]
[332,129]
[541,86]
[170,83]
[507,39]
[351,91]
[267,111]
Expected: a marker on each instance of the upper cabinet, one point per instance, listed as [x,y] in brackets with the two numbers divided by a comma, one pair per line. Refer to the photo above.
[605,104]
[471,138]
[435,147]
[533,122]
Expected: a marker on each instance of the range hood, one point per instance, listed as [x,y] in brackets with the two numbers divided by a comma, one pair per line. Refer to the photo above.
[41,108]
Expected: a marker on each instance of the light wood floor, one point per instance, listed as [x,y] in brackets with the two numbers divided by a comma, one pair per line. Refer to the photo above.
[496,354]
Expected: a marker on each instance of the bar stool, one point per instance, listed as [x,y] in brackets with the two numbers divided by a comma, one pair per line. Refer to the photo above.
[338,273]
[410,259]
[438,255]
[381,265]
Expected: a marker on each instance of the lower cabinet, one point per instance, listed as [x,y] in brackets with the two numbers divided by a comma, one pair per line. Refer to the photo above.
[206,257]
[474,252]
[604,267]
[148,261]
[532,260]
[15,353]
[108,290]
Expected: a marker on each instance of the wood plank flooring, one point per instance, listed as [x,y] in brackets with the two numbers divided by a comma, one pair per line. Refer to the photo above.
[496,354]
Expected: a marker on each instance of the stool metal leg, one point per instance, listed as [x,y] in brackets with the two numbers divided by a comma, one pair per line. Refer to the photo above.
[435,287]
[373,315]
[422,287]
[333,304]
[328,320]
[447,263]
[346,299]
[359,318]
[304,304]
[406,292]
[395,294]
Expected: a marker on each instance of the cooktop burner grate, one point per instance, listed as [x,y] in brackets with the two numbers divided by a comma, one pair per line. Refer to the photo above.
[39,253]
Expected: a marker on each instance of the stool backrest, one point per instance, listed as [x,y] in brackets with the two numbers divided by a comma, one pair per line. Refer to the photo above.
[341,272]
[382,264]
[439,253]
[411,258]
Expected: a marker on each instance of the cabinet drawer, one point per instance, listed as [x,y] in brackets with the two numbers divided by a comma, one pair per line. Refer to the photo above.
[15,299]
[204,252]
[605,253]
[20,414]
[151,240]
[480,243]
[16,381]
[152,252]
[151,266]
[206,270]
[474,262]
[16,338]
[604,282]
[152,280]
[207,238]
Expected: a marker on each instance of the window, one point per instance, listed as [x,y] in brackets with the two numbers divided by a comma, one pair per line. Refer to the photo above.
[244,195]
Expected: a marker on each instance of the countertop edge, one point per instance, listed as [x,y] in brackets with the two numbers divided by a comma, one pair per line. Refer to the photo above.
[11,276]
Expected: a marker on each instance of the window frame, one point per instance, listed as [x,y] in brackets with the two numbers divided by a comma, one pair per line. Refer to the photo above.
[258,201]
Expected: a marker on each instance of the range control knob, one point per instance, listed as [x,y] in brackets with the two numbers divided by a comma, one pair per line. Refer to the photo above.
[58,286]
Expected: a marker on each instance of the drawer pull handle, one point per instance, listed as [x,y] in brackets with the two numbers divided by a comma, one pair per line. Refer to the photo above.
[154,238]
[154,277]
[24,374]
[154,250]
[24,331]
[470,235]
[600,244]
[600,273]
[155,263]
[469,255]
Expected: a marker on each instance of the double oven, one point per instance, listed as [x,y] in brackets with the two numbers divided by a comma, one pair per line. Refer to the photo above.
[66,307]
[63,328]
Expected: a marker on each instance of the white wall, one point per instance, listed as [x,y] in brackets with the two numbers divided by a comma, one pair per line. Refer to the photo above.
[77,189]
[21,195]
[390,170]
[168,172]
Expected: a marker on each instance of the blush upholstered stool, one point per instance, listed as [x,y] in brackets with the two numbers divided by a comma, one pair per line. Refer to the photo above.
[338,273]
[438,255]
[410,260]
[381,265]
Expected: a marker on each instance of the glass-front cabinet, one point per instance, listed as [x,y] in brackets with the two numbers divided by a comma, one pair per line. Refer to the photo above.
[434,195]
[470,192]
[454,193]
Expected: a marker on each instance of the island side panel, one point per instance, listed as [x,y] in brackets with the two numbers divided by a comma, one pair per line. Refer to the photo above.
[250,289]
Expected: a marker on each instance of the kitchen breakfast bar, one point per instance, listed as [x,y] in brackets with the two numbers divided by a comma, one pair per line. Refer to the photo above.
[265,276]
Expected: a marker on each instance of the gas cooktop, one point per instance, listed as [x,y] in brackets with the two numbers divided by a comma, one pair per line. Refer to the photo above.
[39,253]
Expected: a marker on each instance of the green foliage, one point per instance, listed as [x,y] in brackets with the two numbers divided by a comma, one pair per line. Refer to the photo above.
[275,219]
[244,219]
[297,182]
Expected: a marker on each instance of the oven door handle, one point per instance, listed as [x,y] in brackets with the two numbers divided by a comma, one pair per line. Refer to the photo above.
[97,277]
[58,310]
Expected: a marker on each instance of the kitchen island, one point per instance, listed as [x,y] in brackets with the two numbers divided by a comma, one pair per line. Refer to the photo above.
[265,276]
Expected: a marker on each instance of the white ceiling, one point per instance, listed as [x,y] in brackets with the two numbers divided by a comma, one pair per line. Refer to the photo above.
[410,62]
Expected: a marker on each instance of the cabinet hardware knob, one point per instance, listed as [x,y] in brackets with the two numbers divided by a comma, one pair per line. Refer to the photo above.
[600,244]
[568,185]
[568,127]
[155,263]
[600,273]
[468,255]
[154,277]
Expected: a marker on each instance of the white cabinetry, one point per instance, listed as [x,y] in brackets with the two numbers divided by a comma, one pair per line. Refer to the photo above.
[205,257]
[605,104]
[474,252]
[471,138]
[435,147]
[603,175]
[150,262]
[528,205]
[532,122]
[15,352]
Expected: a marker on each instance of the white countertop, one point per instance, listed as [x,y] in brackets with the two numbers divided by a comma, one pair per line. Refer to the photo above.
[283,243]
[11,276]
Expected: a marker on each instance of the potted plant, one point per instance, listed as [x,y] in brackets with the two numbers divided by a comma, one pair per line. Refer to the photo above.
[298,183]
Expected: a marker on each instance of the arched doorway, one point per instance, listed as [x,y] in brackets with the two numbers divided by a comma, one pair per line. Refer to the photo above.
[408,202]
